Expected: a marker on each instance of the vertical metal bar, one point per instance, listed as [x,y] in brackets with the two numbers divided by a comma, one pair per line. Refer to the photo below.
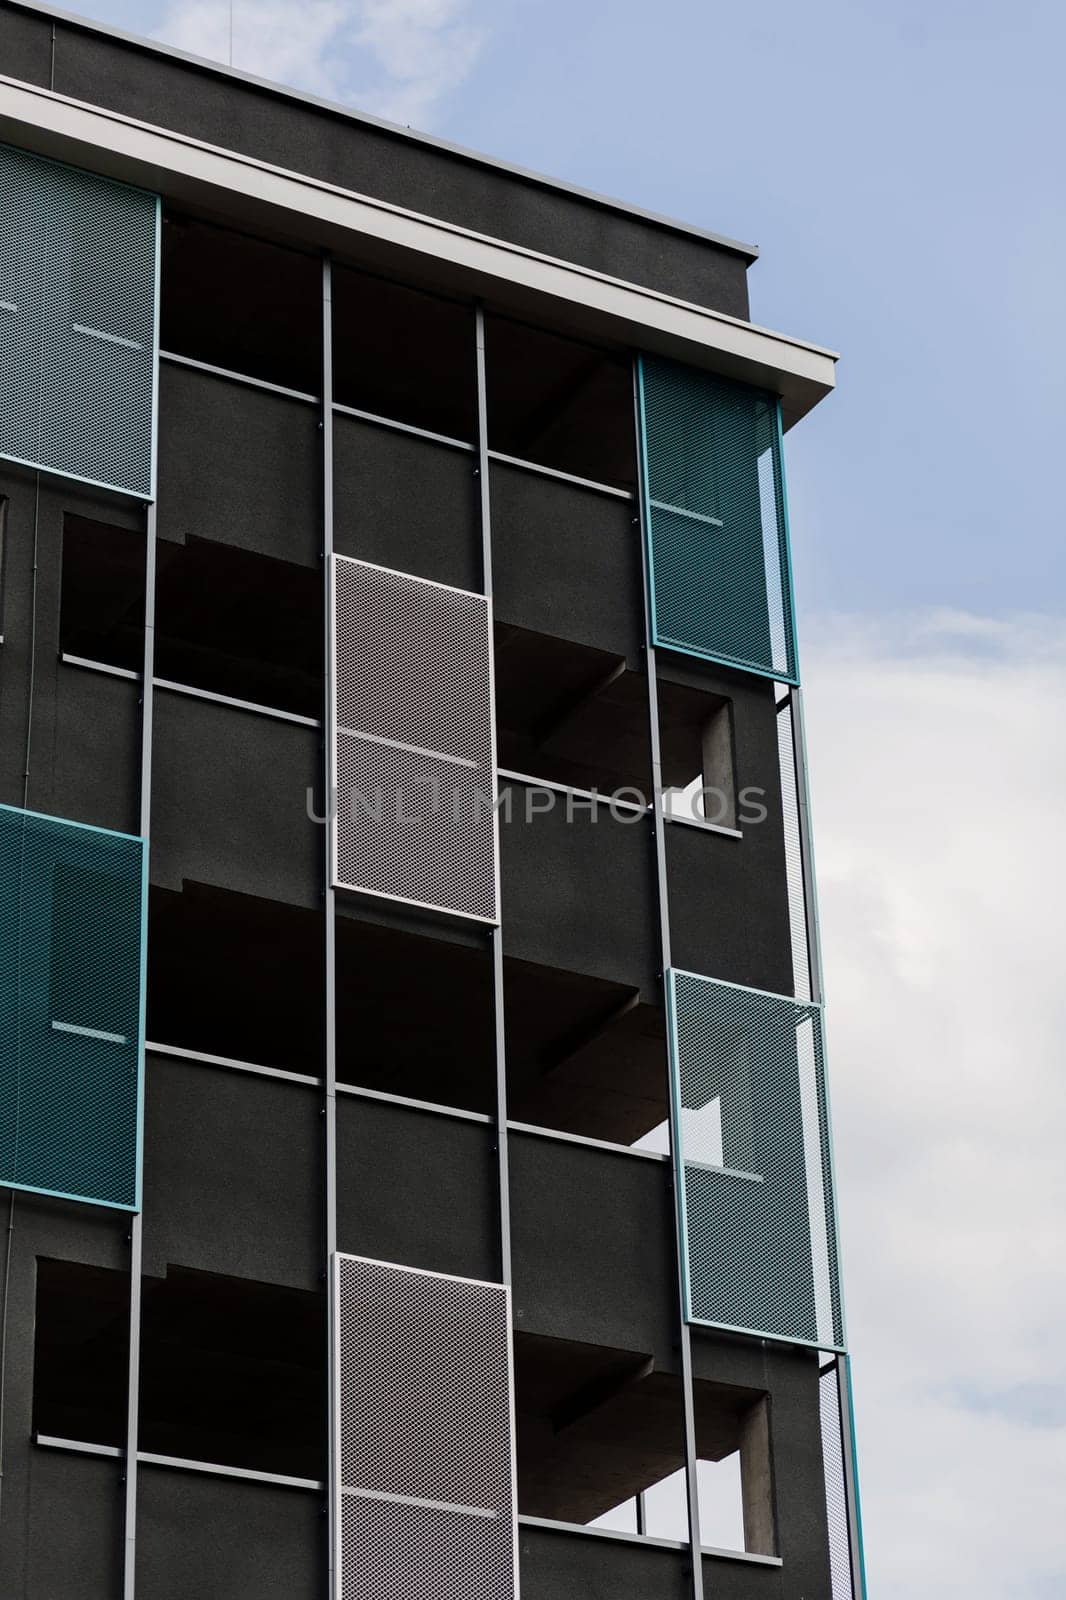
[692,1487]
[806,842]
[851,1478]
[129,1566]
[814,949]
[330,913]
[496,935]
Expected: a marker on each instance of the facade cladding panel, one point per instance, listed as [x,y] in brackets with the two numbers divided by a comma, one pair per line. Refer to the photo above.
[414,741]
[754,1172]
[426,1461]
[71,1006]
[715,506]
[79,259]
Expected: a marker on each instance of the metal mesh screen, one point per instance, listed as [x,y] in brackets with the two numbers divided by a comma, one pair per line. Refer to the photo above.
[836,1494]
[425,1435]
[78,276]
[754,1171]
[715,512]
[414,757]
[71,1008]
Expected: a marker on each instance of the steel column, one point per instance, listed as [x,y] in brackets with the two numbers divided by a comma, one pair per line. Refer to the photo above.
[692,1488]
[329,1078]
[129,1568]
[496,934]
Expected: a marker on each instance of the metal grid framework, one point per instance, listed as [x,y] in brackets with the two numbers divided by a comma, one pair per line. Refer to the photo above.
[754,1175]
[423,1434]
[72,924]
[79,268]
[414,745]
[716,520]
[843,1585]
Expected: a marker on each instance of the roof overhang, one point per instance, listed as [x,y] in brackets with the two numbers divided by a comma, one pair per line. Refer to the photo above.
[393,240]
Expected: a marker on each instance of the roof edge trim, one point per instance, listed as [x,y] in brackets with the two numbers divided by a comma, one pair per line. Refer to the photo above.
[623,208]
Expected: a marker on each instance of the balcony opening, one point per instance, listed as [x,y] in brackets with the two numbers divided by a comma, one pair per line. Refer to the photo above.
[584,1055]
[240,303]
[560,403]
[81,1340]
[415,1012]
[697,743]
[240,624]
[3,560]
[601,1443]
[571,714]
[101,608]
[597,1427]
[212,977]
[232,1371]
[405,354]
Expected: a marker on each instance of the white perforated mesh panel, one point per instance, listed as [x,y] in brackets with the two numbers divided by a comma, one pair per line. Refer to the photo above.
[414,757]
[425,1436]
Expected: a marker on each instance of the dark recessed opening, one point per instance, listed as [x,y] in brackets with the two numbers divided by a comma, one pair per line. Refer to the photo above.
[583,1055]
[571,714]
[560,403]
[101,614]
[233,975]
[404,354]
[240,303]
[414,1014]
[81,1340]
[239,624]
[598,1427]
[232,1371]
[697,744]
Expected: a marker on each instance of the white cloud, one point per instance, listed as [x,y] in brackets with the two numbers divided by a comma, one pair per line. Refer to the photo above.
[939,769]
[397,59]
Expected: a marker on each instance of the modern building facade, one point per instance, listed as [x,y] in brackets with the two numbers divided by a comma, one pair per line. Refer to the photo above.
[414,1132]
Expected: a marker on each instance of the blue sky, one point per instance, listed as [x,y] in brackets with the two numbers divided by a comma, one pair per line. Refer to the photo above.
[901,167]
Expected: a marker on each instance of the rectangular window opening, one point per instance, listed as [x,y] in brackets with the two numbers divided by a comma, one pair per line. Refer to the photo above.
[240,624]
[210,949]
[571,714]
[241,303]
[584,1055]
[560,403]
[101,615]
[405,354]
[232,1371]
[698,753]
[414,1012]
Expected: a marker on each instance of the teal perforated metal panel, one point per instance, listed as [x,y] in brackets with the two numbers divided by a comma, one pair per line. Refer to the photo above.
[79,259]
[72,924]
[716,520]
[754,1175]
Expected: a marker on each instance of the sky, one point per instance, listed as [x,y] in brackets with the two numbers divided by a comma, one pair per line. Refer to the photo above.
[900,166]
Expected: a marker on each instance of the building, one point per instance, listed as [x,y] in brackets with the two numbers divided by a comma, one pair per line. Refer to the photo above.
[393,543]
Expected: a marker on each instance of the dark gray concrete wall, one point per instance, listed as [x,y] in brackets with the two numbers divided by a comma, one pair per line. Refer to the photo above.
[566,561]
[416,1188]
[271,126]
[406,503]
[232,1174]
[44,1553]
[556,1565]
[223,1540]
[238,465]
[592,1241]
